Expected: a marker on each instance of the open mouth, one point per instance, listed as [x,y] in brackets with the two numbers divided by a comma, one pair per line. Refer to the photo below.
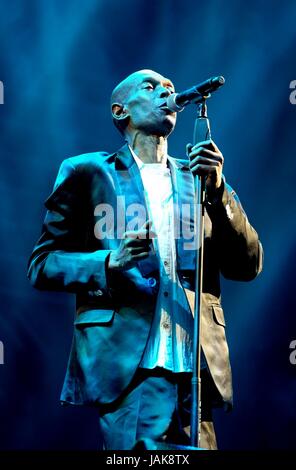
[166,109]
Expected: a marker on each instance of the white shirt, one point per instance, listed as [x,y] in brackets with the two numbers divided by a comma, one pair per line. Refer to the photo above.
[170,340]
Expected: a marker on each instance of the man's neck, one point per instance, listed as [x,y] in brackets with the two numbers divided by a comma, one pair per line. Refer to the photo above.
[149,148]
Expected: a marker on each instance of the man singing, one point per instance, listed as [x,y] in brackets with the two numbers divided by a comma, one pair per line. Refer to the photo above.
[131,356]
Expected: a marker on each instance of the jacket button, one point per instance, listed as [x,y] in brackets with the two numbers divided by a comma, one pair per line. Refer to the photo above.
[151,281]
[98,293]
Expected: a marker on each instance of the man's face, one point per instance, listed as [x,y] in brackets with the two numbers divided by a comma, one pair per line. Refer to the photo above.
[146,103]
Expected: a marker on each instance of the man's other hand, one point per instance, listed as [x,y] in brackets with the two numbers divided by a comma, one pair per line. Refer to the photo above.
[133,248]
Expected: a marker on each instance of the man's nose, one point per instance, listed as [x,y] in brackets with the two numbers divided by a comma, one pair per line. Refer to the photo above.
[165,92]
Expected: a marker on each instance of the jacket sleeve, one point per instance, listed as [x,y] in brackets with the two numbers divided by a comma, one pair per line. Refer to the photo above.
[237,244]
[59,260]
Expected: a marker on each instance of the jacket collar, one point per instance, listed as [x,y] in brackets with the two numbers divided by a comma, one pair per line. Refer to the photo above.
[124,160]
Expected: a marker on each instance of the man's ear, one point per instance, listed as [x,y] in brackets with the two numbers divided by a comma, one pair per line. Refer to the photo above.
[119,112]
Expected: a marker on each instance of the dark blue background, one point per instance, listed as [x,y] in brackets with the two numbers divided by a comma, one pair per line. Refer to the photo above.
[59,62]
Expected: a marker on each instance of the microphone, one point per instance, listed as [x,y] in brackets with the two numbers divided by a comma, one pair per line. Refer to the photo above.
[177,101]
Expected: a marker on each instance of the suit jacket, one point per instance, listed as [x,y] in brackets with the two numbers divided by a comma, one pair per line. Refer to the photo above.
[114,313]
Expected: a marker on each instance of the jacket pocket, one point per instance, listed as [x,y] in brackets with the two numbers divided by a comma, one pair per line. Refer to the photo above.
[218,315]
[94,317]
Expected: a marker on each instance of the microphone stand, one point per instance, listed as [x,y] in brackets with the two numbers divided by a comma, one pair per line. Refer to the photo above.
[201,133]
[198,95]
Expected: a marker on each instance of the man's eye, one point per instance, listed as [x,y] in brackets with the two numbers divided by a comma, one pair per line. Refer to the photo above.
[149,86]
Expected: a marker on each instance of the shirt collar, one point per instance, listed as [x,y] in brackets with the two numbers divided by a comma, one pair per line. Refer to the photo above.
[142,164]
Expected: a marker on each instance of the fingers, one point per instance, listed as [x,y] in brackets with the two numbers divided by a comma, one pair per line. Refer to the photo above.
[203,165]
[146,230]
[147,225]
[205,158]
[209,144]
[206,145]
[204,151]
[144,233]
[205,162]
[203,170]
[140,256]
[140,236]
[135,246]
[137,243]
[188,149]
[135,250]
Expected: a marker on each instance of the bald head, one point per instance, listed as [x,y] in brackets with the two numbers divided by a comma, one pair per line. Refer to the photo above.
[123,91]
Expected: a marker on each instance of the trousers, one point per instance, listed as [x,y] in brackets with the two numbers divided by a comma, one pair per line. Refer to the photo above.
[156,405]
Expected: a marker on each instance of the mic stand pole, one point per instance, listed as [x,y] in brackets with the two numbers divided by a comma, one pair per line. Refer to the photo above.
[201,133]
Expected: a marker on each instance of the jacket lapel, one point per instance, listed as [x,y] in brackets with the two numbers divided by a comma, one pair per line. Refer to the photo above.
[133,201]
[183,190]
